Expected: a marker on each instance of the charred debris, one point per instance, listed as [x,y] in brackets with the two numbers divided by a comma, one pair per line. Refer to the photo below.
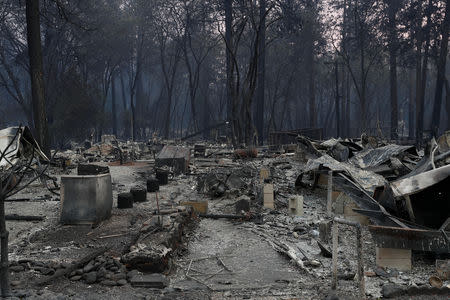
[359,218]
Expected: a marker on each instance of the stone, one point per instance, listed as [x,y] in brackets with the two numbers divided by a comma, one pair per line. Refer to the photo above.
[132,273]
[87,268]
[139,194]
[75,278]
[17,269]
[155,280]
[90,277]
[85,199]
[108,283]
[65,265]
[299,228]
[121,282]
[101,272]
[44,271]
[125,200]
[390,290]
[119,276]
[114,269]
[15,282]
[152,185]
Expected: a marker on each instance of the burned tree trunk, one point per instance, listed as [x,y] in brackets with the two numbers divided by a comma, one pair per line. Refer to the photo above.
[4,274]
[261,73]
[436,117]
[113,104]
[231,114]
[392,10]
[36,73]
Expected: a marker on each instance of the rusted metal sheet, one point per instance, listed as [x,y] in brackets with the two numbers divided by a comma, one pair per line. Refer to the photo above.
[408,238]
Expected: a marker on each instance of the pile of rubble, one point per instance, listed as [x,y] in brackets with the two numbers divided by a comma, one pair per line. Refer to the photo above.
[151,215]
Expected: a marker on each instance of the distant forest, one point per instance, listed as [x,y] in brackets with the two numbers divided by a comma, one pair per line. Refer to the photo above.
[139,68]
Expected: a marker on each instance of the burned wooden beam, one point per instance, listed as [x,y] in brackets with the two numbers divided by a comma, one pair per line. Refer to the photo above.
[16,217]
[409,238]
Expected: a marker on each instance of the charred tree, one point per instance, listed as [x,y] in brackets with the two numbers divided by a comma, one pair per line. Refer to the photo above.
[261,73]
[113,104]
[228,7]
[442,60]
[36,73]
[392,7]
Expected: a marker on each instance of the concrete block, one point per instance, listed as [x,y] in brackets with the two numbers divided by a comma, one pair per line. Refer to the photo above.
[85,199]
[152,185]
[200,207]
[125,200]
[139,194]
[162,176]
[325,230]
[399,259]
[268,196]
[174,156]
[349,214]
[339,203]
[264,174]
[296,205]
